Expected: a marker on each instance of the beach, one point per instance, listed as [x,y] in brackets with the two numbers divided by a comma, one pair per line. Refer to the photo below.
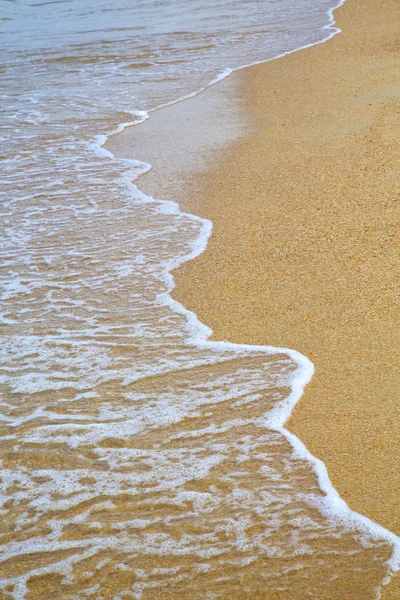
[303,250]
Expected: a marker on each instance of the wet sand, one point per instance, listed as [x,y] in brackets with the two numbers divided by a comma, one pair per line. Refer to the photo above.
[305,241]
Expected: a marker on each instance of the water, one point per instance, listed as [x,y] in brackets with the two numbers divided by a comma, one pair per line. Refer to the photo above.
[140,460]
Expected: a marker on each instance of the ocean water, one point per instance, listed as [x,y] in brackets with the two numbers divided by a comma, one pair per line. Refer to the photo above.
[138,459]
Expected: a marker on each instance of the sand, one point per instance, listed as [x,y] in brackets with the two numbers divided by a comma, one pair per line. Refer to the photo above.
[303,254]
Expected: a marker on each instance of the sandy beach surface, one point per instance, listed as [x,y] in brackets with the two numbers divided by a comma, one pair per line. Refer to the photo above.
[304,203]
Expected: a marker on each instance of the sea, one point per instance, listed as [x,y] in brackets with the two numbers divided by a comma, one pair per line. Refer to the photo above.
[139,459]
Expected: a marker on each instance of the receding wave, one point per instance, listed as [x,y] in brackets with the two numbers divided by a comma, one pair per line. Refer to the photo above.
[139,459]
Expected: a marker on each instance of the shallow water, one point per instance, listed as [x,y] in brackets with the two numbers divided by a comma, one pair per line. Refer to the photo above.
[138,459]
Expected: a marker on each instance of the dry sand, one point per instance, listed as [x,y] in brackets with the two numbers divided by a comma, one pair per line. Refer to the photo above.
[303,252]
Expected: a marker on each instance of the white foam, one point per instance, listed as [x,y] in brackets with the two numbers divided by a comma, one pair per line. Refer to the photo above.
[82,355]
[331,505]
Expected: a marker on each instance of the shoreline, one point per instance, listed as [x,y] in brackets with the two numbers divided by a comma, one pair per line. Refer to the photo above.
[344,133]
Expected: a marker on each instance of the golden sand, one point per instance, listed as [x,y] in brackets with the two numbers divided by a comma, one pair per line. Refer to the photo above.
[303,252]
